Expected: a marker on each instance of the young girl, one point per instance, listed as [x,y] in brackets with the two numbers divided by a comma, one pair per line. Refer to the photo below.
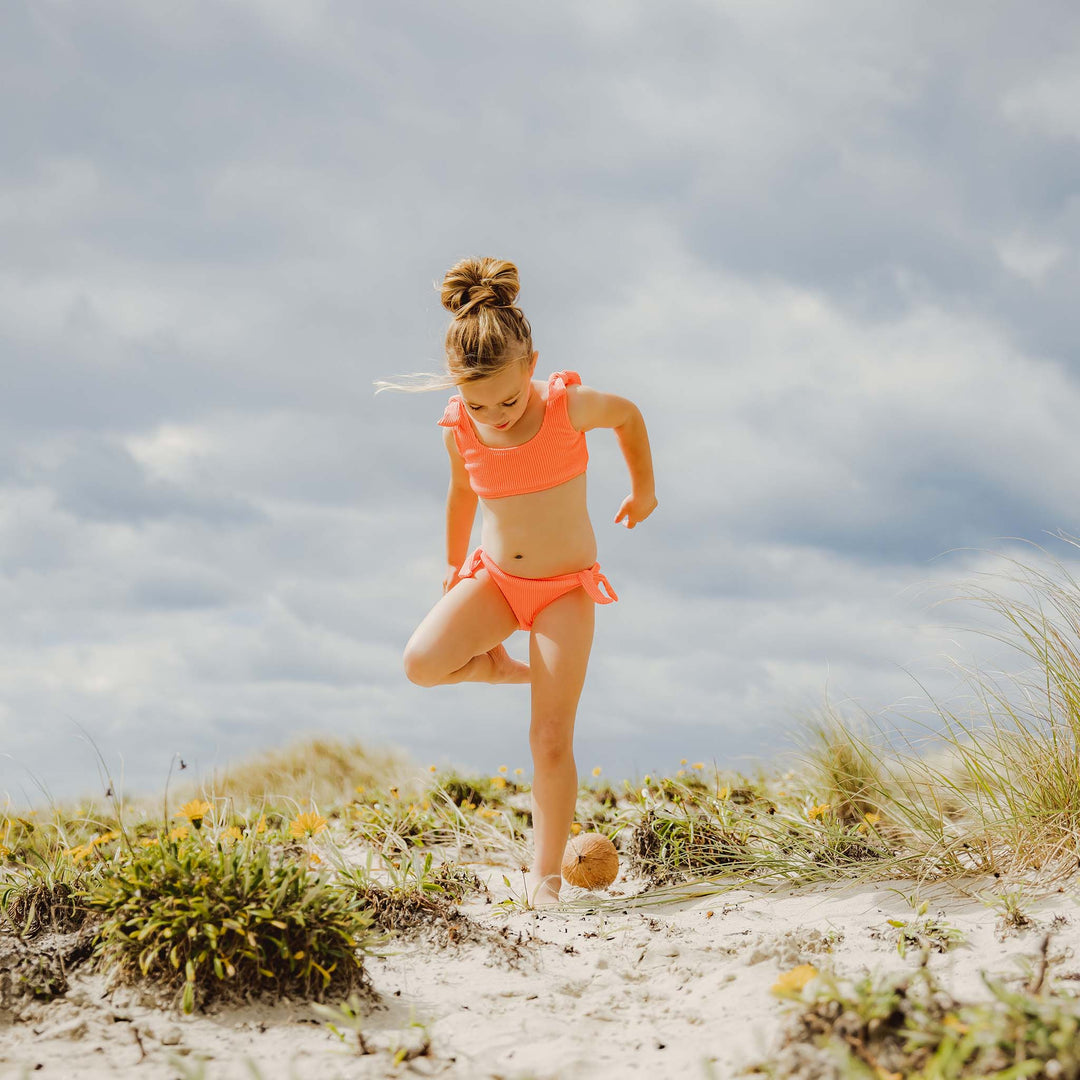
[517,445]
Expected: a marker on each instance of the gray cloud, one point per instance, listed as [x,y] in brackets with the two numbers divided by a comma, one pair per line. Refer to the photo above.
[101,481]
[831,252]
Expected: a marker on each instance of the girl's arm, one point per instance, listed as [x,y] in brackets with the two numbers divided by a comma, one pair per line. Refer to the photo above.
[590,409]
[461,503]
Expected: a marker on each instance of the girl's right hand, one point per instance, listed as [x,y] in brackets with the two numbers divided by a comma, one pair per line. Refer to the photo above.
[451,578]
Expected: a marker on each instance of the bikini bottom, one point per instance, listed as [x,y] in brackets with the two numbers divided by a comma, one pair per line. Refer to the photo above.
[527,597]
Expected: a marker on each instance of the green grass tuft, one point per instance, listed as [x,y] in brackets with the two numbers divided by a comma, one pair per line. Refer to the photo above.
[212,921]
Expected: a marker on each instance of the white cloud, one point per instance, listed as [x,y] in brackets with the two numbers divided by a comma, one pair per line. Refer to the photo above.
[841,289]
[1048,103]
[1029,257]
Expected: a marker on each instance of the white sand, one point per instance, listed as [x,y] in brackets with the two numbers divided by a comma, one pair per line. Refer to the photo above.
[664,990]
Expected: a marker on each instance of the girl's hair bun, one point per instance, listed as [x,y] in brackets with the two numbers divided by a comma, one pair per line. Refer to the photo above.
[474,284]
[488,330]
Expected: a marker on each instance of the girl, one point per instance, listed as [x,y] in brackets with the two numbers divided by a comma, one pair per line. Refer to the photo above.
[517,445]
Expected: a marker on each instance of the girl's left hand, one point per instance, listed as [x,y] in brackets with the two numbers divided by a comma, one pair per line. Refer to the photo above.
[636,508]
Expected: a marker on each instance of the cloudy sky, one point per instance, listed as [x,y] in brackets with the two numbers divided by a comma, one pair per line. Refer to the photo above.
[831,250]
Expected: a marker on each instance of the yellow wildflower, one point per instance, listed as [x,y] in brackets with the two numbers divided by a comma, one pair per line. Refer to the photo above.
[518,772]
[79,853]
[179,833]
[725,792]
[498,781]
[314,859]
[597,771]
[682,761]
[794,980]
[260,825]
[194,811]
[104,838]
[431,768]
[393,792]
[698,765]
[681,772]
[426,805]
[502,768]
[307,824]
[575,828]
[233,832]
[817,811]
[359,789]
[148,841]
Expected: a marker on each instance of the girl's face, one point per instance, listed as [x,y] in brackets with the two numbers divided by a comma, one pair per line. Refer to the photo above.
[500,401]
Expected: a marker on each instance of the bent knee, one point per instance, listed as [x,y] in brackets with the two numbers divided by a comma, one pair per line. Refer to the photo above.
[418,668]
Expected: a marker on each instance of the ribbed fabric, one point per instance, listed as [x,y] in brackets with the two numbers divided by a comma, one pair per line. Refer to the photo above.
[527,597]
[555,454]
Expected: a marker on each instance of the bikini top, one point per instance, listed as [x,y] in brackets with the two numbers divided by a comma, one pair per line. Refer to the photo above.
[555,454]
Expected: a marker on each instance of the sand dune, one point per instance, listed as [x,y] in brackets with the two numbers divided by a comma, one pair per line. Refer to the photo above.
[669,990]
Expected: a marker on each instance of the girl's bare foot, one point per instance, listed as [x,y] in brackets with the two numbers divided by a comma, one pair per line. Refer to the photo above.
[507,669]
[542,890]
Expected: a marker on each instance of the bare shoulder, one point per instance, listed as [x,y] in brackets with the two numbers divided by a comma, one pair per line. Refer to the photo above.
[452,447]
[589,408]
[459,476]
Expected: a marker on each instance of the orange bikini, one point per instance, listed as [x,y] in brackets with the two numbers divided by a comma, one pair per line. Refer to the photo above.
[555,454]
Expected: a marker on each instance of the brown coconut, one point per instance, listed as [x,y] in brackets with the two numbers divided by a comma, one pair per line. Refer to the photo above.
[590,861]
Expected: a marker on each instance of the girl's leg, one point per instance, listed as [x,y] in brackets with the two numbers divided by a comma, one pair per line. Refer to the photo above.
[459,638]
[559,649]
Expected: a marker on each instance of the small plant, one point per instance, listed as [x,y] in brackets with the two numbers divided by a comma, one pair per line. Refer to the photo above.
[414,898]
[387,821]
[845,766]
[213,920]
[43,897]
[345,1015]
[455,881]
[1007,905]
[925,933]
[668,844]
[477,790]
[907,1026]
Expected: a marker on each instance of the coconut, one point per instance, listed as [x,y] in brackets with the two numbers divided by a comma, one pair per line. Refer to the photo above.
[590,861]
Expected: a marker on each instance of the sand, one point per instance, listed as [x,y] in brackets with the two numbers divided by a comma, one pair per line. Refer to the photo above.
[666,990]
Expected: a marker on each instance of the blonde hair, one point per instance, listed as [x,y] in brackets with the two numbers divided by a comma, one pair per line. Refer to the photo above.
[488,332]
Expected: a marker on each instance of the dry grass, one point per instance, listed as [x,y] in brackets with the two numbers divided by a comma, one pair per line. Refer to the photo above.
[996,790]
[322,771]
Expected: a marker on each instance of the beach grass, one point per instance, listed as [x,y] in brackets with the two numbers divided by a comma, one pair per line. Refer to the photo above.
[907,1026]
[365,846]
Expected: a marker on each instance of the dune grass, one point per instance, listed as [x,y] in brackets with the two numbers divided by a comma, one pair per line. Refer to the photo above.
[993,791]
[314,770]
[906,1026]
[212,919]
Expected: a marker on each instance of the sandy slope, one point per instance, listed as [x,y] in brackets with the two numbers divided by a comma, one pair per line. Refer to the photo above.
[665,990]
